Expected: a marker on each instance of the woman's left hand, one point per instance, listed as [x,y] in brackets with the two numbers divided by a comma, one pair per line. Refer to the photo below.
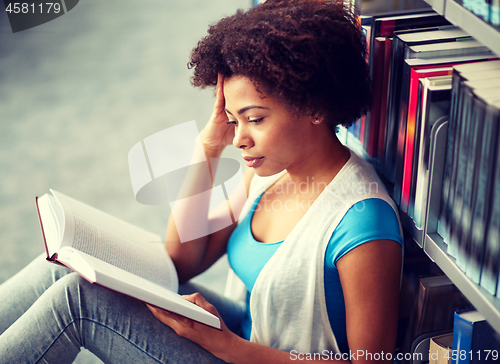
[215,341]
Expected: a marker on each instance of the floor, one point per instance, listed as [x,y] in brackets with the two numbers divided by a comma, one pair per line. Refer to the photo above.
[77,93]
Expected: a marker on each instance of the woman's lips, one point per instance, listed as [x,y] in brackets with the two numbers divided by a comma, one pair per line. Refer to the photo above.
[253,162]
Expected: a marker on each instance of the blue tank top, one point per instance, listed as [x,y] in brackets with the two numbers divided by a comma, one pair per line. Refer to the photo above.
[367,220]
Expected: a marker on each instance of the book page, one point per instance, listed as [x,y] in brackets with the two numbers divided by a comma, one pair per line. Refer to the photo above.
[117,242]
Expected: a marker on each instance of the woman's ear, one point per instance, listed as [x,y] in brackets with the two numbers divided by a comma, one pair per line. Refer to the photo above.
[316,119]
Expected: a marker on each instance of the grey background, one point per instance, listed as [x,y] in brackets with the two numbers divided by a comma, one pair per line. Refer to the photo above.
[77,93]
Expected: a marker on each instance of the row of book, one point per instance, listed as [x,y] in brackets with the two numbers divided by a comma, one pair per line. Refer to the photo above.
[437,100]
[469,220]
[445,328]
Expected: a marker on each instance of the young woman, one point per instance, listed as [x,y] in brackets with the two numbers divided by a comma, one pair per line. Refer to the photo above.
[317,248]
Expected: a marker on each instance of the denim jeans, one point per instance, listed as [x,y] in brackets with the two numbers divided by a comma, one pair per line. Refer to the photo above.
[48,312]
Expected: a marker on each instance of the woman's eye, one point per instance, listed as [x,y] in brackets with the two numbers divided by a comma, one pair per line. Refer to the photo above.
[255,120]
[231,122]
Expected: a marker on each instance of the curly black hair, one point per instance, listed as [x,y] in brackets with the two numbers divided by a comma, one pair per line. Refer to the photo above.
[309,54]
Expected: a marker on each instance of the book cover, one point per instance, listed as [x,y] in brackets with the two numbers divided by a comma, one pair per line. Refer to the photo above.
[416,150]
[436,99]
[407,142]
[474,340]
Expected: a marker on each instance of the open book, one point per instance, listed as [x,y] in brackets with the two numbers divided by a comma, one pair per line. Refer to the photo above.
[113,254]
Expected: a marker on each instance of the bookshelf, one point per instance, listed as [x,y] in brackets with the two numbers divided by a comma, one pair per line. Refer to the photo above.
[428,239]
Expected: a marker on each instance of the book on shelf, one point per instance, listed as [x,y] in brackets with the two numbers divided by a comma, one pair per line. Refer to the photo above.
[383,101]
[440,349]
[378,56]
[403,39]
[445,49]
[461,183]
[435,105]
[402,107]
[461,73]
[482,199]
[491,261]
[436,300]
[112,253]
[474,340]
[392,64]
[383,26]
[466,187]
[407,140]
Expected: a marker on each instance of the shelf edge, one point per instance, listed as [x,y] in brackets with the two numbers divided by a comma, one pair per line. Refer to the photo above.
[482,300]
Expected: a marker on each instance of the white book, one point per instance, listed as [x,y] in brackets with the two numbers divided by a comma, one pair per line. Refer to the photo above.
[429,116]
[113,253]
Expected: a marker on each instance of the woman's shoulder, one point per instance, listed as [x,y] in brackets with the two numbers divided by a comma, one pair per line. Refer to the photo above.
[367,220]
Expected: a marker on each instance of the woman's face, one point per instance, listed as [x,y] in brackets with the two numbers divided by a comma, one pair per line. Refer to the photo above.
[271,138]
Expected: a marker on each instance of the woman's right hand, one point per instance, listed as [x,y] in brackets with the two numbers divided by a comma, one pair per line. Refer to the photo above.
[217,134]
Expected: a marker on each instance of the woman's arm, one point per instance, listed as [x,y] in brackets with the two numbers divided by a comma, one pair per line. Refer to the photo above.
[195,256]
[370,277]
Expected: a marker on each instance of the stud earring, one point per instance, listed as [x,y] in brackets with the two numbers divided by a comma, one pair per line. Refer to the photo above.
[316,121]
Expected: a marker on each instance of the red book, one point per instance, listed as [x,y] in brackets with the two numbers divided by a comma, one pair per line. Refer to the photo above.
[416,74]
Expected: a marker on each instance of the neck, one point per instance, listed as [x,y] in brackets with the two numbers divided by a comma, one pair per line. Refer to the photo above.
[324,158]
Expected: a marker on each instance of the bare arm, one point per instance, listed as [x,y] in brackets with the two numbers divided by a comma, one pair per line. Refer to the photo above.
[196,255]
[370,278]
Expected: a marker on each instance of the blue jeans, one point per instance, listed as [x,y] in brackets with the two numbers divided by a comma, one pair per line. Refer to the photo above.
[48,312]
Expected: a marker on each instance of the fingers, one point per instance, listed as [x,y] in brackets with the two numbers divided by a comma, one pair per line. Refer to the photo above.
[199,300]
[219,92]
[220,81]
[175,321]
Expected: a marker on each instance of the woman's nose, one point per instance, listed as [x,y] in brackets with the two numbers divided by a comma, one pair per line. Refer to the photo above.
[242,137]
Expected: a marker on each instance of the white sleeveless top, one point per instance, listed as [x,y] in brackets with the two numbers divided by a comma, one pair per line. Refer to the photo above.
[287,303]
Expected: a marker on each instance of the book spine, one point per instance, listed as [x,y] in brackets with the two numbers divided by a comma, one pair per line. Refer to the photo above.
[483,191]
[416,152]
[457,191]
[372,122]
[474,139]
[397,50]
[402,112]
[444,223]
[383,102]
[462,337]
[409,141]
[490,270]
